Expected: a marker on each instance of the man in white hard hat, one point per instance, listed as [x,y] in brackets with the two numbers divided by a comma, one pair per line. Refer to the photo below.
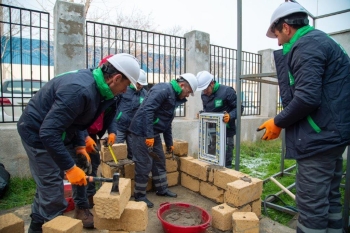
[220,98]
[313,75]
[155,116]
[52,124]
[129,103]
[83,195]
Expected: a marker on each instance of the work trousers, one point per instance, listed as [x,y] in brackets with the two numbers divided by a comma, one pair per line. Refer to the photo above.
[317,192]
[144,164]
[229,152]
[80,192]
[125,136]
[49,201]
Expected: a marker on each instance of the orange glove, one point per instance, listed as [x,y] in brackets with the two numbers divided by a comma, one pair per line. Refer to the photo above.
[149,142]
[76,176]
[111,139]
[271,130]
[81,150]
[226,117]
[169,149]
[90,145]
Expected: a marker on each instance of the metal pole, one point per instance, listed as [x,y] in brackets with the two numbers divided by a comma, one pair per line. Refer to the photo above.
[347,194]
[238,82]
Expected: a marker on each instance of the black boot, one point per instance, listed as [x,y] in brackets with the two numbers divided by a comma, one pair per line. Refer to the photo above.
[144,199]
[35,227]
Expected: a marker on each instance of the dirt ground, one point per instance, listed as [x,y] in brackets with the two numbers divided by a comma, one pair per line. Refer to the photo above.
[154,225]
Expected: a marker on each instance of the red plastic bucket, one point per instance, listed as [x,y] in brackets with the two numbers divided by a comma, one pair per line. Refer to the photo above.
[172,228]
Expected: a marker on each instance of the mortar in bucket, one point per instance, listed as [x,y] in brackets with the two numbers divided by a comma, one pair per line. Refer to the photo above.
[183,217]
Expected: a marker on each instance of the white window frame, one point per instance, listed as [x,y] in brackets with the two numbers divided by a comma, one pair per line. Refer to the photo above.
[218,157]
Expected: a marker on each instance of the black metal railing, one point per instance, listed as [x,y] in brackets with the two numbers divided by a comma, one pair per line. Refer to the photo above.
[162,56]
[223,67]
[25,57]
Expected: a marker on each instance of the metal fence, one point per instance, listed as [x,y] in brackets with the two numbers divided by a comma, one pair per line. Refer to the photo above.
[161,56]
[223,67]
[25,58]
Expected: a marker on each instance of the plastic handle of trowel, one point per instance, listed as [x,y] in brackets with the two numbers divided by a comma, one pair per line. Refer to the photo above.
[113,155]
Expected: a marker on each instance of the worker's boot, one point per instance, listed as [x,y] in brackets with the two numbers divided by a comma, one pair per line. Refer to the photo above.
[85,216]
[35,227]
[91,202]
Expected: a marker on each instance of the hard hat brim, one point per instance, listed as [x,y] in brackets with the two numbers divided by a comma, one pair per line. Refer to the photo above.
[269,33]
[143,84]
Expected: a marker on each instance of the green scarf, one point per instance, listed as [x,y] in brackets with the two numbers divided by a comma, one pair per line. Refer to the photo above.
[299,33]
[102,86]
[176,87]
[216,87]
[132,87]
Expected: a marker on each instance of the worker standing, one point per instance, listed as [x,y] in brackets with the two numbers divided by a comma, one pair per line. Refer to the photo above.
[51,129]
[314,80]
[155,116]
[223,99]
[129,103]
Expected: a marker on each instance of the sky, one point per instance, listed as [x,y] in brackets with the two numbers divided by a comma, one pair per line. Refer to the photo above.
[219,17]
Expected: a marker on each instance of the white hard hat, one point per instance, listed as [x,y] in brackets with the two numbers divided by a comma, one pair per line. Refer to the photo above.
[284,9]
[142,78]
[127,64]
[204,79]
[192,80]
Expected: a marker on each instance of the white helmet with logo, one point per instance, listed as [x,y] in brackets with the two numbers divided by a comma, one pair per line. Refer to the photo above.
[204,79]
[192,80]
[127,64]
[284,9]
[142,78]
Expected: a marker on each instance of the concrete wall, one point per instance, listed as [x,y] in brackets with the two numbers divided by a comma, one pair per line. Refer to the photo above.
[343,38]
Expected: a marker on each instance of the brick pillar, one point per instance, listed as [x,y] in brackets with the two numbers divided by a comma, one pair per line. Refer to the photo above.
[197,59]
[268,91]
[69,37]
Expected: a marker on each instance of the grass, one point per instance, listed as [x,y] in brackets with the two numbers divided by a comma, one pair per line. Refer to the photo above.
[262,160]
[20,192]
[259,159]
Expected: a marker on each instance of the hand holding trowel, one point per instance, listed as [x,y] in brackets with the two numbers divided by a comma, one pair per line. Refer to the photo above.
[149,143]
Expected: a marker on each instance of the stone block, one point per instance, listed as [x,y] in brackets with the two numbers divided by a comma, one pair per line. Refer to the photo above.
[171,165]
[173,178]
[245,208]
[180,147]
[194,167]
[256,207]
[110,205]
[211,191]
[10,223]
[189,182]
[242,192]
[129,170]
[63,224]
[222,217]
[108,171]
[119,149]
[224,176]
[133,218]
[245,222]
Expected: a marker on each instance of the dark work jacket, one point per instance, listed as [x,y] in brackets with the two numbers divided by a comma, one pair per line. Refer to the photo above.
[129,103]
[224,99]
[156,113]
[59,112]
[109,123]
[314,82]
